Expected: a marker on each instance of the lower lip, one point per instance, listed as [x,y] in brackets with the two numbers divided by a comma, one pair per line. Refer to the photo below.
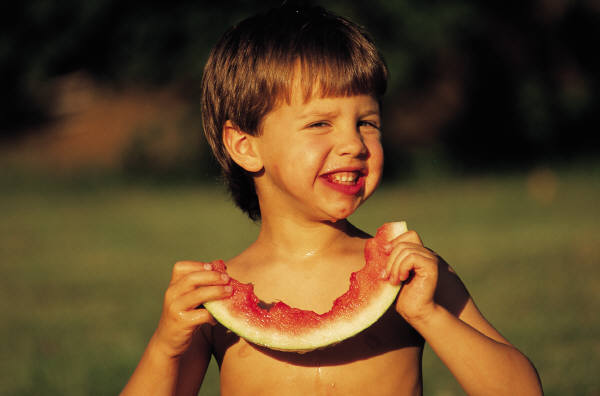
[348,189]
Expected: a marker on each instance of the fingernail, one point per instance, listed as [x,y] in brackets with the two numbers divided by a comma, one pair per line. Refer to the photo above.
[383,274]
[228,289]
[207,266]
[225,277]
[387,247]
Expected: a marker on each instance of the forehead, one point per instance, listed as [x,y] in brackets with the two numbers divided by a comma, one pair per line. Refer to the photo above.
[330,107]
[306,86]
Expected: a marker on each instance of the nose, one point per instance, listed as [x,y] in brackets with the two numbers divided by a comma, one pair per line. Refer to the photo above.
[350,142]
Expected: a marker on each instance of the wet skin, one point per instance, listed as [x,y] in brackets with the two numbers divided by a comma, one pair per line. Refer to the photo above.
[362,362]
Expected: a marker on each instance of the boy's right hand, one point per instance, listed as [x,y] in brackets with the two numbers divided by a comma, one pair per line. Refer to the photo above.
[192,284]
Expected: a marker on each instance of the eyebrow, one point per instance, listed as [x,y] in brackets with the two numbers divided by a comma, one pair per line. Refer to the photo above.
[334,114]
[371,111]
[319,114]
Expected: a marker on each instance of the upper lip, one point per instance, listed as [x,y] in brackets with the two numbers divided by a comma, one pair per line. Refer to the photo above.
[359,169]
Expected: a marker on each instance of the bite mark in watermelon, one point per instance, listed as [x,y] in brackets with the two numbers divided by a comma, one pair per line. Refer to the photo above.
[286,328]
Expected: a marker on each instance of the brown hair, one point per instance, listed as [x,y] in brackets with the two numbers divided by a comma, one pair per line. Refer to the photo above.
[250,71]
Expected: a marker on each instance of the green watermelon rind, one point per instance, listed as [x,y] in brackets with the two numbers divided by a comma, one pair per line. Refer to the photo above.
[325,335]
[320,337]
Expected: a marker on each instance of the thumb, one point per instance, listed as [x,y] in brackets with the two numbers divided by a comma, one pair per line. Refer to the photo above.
[201,316]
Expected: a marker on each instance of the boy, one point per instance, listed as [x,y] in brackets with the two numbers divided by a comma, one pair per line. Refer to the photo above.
[291,109]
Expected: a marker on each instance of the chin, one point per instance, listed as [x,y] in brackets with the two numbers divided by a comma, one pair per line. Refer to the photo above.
[341,214]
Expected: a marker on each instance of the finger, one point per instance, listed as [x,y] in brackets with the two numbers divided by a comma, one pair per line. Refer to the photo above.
[397,251]
[409,260]
[193,280]
[197,317]
[409,236]
[403,253]
[201,295]
[401,271]
[182,268]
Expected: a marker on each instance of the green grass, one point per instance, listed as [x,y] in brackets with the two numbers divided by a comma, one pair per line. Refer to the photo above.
[84,270]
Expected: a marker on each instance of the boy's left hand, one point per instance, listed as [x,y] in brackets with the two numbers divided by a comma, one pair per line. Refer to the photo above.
[416,267]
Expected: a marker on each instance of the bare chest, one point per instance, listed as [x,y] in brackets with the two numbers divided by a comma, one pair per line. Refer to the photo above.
[382,360]
[310,287]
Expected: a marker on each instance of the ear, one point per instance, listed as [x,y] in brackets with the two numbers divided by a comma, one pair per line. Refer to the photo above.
[241,147]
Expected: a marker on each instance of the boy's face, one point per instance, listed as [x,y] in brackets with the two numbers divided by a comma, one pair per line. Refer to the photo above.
[322,158]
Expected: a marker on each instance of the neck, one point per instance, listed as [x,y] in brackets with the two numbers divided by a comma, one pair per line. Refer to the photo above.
[303,239]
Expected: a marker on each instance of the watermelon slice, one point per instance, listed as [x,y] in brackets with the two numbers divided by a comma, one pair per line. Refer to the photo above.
[281,327]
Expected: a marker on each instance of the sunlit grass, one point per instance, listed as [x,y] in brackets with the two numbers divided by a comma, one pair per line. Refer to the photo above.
[84,270]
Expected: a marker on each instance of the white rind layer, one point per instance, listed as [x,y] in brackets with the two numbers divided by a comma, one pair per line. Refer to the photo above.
[329,333]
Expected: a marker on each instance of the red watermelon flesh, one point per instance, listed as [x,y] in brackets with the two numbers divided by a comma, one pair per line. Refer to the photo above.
[279,326]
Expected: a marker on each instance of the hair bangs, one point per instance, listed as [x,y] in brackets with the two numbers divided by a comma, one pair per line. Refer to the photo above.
[324,63]
[332,75]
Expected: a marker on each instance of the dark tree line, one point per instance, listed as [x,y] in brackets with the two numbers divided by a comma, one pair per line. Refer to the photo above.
[528,75]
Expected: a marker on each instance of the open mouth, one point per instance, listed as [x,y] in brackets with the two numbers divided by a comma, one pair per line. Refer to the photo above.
[346,181]
[346,178]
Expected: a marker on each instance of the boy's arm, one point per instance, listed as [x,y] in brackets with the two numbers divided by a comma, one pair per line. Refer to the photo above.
[480,358]
[194,363]
[159,374]
[175,360]
[482,361]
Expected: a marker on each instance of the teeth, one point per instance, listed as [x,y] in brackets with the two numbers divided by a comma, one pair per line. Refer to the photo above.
[344,177]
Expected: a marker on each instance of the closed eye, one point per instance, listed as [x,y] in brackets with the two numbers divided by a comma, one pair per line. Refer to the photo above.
[368,124]
[320,124]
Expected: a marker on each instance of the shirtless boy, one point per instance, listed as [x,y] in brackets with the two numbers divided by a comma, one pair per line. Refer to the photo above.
[291,108]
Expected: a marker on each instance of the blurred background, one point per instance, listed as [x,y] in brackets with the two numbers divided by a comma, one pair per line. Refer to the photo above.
[491,137]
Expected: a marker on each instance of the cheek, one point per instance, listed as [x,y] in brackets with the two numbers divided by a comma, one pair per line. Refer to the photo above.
[294,165]
[375,156]
[308,156]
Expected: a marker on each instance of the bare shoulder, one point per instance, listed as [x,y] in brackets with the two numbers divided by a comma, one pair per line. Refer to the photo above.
[452,294]
[247,261]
